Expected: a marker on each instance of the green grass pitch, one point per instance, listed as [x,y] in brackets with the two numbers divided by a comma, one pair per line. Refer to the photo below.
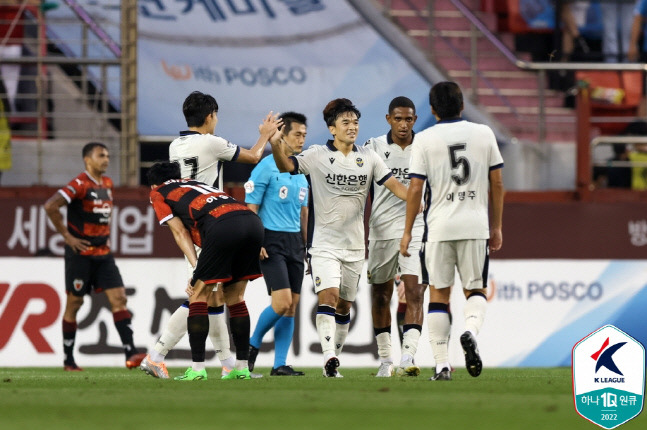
[114,398]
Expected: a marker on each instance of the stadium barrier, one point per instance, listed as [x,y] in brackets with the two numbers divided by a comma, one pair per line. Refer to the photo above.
[538,310]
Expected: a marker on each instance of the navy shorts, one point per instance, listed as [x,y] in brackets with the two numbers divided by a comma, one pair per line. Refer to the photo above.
[84,273]
[230,248]
[284,266]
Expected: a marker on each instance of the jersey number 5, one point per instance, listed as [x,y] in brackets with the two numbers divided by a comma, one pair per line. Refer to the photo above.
[457,162]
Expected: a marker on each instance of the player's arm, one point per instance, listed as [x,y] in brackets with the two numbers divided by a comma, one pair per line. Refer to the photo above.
[283,162]
[396,187]
[183,239]
[266,130]
[53,209]
[496,214]
[414,196]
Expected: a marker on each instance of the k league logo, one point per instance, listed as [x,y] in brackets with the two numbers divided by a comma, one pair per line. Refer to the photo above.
[608,377]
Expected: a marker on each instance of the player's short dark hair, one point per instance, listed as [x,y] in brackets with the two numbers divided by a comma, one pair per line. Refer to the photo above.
[446,99]
[401,101]
[292,117]
[197,106]
[337,107]
[162,171]
[89,147]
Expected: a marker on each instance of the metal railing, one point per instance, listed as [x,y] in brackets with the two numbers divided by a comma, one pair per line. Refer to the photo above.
[477,30]
[71,90]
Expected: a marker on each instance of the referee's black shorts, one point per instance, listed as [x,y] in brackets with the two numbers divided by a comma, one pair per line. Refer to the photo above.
[231,245]
[284,266]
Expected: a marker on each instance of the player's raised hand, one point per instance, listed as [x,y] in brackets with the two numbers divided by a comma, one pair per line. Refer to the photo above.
[271,123]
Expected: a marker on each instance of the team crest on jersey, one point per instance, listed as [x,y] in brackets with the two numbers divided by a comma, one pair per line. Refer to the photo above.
[332,160]
[359,161]
[386,154]
[249,187]
[77,284]
[283,192]
[318,281]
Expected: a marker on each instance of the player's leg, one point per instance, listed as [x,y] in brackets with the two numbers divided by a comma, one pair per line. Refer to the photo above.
[245,241]
[198,330]
[72,305]
[275,273]
[108,278]
[77,284]
[382,268]
[283,333]
[440,263]
[414,295]
[284,327]
[326,274]
[218,330]
[402,308]
[351,270]
[473,262]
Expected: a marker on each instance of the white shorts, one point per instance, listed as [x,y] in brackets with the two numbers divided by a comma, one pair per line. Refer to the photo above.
[384,260]
[470,257]
[339,268]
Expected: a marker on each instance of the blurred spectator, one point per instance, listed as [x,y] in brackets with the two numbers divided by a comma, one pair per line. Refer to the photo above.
[573,18]
[640,13]
[617,16]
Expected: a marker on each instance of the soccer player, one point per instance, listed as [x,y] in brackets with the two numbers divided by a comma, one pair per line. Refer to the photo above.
[281,200]
[458,160]
[230,235]
[89,263]
[386,225]
[341,174]
[200,155]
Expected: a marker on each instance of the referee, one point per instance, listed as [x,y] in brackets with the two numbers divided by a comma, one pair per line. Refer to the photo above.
[281,200]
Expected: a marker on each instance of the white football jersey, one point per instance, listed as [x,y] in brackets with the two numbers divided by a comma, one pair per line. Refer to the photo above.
[340,186]
[388,212]
[455,157]
[201,156]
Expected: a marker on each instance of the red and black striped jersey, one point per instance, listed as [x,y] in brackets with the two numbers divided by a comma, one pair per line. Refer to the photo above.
[193,202]
[89,210]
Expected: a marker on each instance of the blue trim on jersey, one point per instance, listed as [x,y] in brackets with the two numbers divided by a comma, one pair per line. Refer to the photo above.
[296,165]
[417,176]
[497,166]
[331,146]
[236,154]
[384,179]
[188,132]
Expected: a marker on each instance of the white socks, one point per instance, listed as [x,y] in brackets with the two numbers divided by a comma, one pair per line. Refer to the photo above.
[174,331]
[219,336]
[474,312]
[439,329]
[384,347]
[410,342]
[326,330]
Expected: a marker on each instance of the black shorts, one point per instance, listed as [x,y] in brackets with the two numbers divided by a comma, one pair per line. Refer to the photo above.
[230,248]
[84,273]
[284,266]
